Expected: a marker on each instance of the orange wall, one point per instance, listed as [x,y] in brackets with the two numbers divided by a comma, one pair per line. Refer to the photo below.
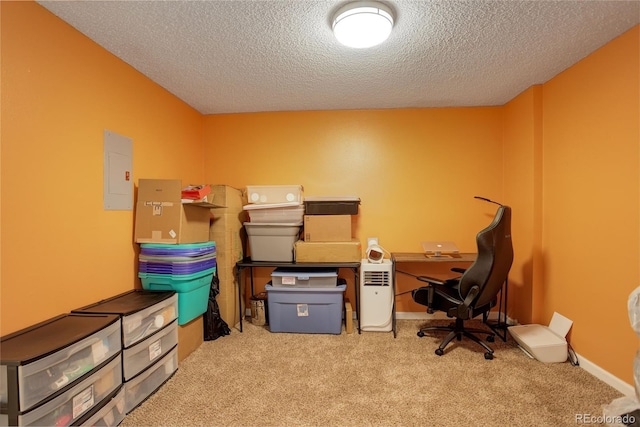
[565,155]
[522,171]
[415,170]
[591,203]
[60,249]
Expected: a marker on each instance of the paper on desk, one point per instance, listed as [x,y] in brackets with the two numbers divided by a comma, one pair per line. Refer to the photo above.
[560,325]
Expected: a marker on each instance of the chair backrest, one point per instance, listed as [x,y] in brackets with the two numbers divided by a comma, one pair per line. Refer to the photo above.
[492,265]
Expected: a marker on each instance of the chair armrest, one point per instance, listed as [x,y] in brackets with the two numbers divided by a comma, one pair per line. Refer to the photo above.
[458,270]
[463,310]
[431,280]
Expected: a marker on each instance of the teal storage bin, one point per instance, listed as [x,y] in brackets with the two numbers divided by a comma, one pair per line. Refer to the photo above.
[192,289]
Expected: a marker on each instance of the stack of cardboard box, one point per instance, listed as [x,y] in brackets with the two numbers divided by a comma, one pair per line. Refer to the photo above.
[227,231]
[163,217]
[328,231]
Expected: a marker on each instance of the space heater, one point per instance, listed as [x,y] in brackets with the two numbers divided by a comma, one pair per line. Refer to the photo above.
[376,295]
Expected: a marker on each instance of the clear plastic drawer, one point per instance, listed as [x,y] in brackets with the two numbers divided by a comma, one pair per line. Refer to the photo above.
[139,325]
[40,379]
[111,414]
[144,385]
[137,358]
[64,409]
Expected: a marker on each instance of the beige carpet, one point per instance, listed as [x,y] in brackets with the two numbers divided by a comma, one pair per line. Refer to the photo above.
[258,378]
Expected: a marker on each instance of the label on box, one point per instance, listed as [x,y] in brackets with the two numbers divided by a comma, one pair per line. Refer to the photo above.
[288,280]
[303,310]
[82,401]
[155,350]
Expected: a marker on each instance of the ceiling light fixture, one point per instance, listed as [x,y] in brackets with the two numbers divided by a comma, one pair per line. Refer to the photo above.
[363,24]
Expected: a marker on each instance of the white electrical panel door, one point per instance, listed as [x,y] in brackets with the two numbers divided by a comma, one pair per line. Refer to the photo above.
[118,175]
[376,296]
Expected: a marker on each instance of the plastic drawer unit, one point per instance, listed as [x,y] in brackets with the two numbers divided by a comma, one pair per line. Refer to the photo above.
[110,414]
[65,408]
[143,312]
[137,358]
[45,362]
[138,389]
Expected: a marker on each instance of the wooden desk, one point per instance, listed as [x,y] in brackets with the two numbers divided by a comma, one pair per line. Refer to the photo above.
[418,258]
[421,257]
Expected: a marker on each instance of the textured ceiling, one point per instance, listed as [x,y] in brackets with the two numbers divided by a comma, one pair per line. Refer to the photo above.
[280,55]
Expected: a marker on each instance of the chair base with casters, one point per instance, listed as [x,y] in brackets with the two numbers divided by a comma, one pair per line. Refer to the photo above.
[457,330]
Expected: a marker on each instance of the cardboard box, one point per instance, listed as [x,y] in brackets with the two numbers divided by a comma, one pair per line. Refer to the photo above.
[228,232]
[230,198]
[161,217]
[327,228]
[190,336]
[350,251]
[348,317]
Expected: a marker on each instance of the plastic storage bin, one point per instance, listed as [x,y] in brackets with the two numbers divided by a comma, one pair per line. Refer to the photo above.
[137,358]
[143,312]
[274,193]
[331,205]
[182,250]
[272,242]
[278,213]
[305,310]
[193,291]
[65,408]
[307,277]
[110,415]
[147,382]
[51,356]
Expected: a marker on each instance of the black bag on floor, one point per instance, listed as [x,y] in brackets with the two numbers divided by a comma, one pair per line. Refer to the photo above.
[214,325]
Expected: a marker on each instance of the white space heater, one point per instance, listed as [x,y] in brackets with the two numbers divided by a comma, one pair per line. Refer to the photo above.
[376,296]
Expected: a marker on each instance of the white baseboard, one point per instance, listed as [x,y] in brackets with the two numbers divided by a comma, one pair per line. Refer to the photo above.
[608,378]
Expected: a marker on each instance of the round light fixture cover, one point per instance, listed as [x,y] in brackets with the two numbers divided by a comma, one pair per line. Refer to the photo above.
[363,24]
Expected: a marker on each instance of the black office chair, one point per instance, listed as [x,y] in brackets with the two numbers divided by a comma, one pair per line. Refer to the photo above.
[476,291]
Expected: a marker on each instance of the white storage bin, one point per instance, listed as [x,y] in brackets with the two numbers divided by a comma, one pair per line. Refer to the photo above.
[275,213]
[66,357]
[274,193]
[304,277]
[67,407]
[137,358]
[111,414]
[272,241]
[146,383]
